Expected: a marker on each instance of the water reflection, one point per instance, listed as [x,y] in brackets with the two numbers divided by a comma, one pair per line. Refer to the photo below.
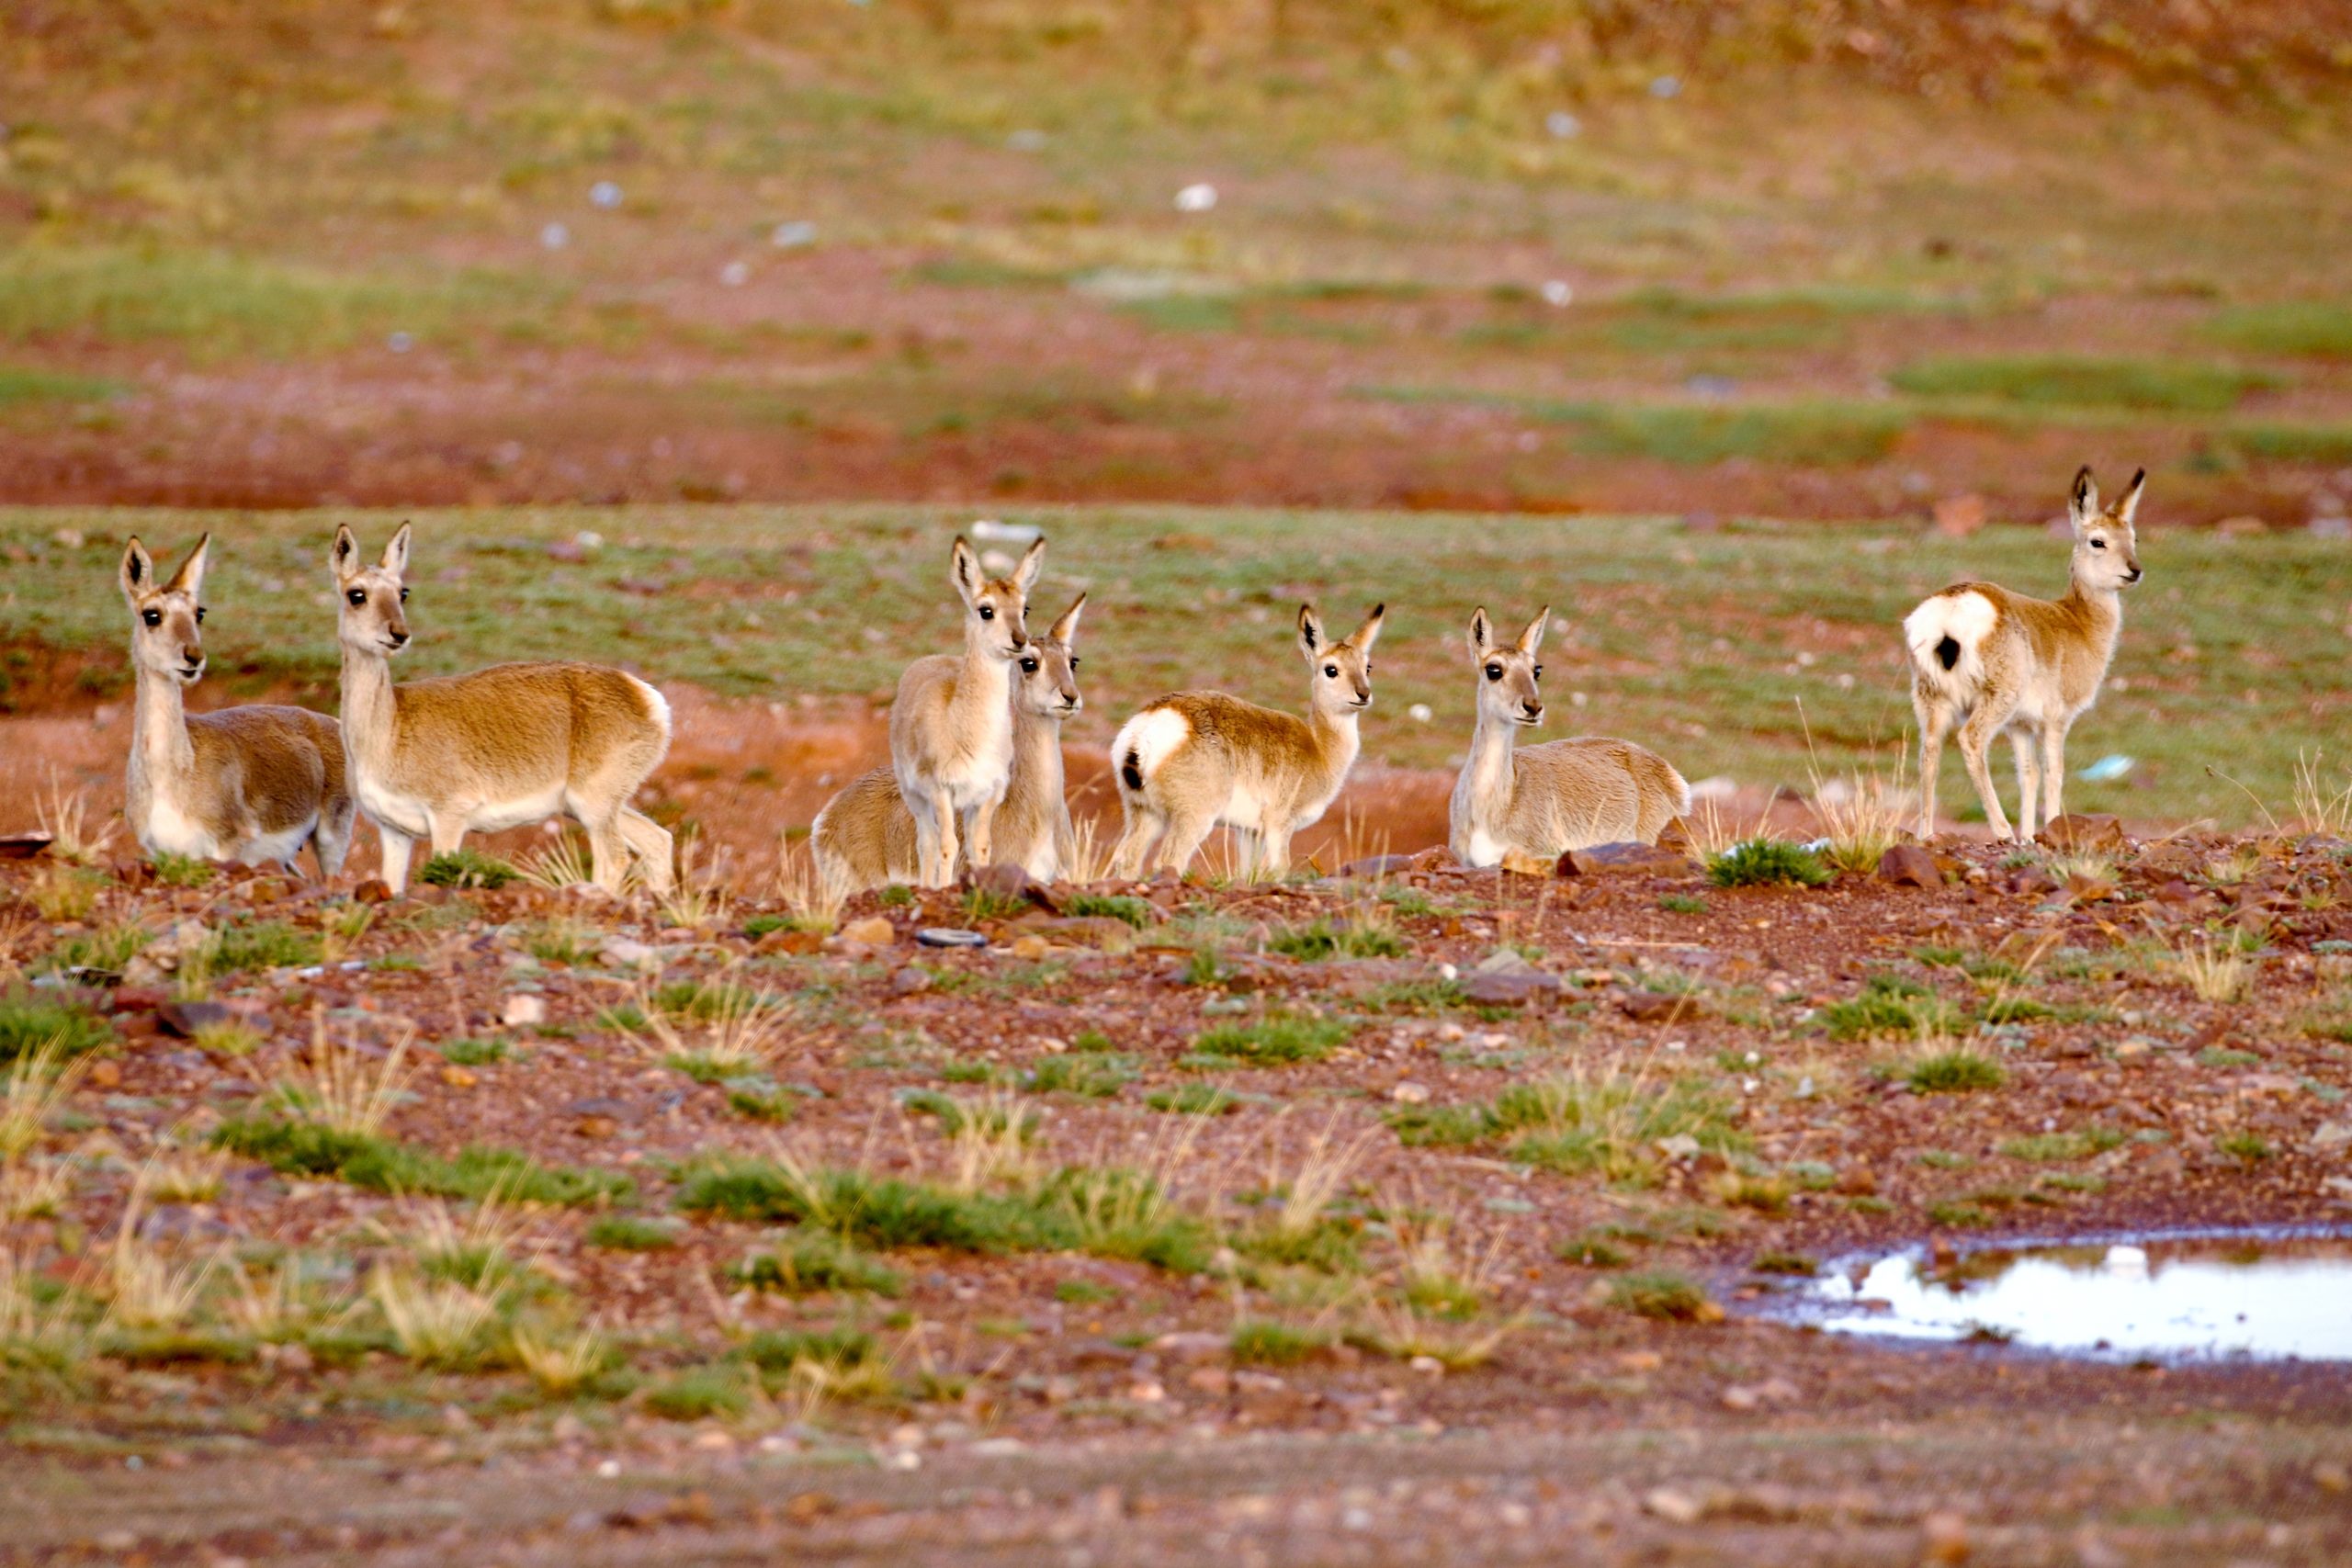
[2179,1297]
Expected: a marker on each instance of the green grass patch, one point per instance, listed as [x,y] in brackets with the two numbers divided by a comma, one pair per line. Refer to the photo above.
[631,1233]
[1812,434]
[1955,1071]
[2318,327]
[1889,1005]
[1764,863]
[1609,1122]
[1137,912]
[29,1021]
[181,871]
[467,868]
[2061,380]
[1276,1040]
[816,1260]
[263,944]
[1260,1342]
[1591,1252]
[22,384]
[778,1350]
[1336,939]
[1091,1073]
[1961,1213]
[1682,903]
[2055,1148]
[2329,444]
[1660,1294]
[1776,1262]
[1425,1126]
[304,1148]
[698,1395]
[1193,1100]
[1420,998]
[101,952]
[2223,1056]
[1084,1292]
[2249,1147]
[475,1051]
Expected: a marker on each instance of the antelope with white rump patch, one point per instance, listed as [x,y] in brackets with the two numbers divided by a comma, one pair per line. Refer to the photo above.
[1195,760]
[951,727]
[2001,661]
[244,783]
[492,749]
[865,836]
[1524,806]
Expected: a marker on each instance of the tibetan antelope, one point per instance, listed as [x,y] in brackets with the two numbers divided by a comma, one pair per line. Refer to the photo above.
[951,725]
[1528,804]
[865,837]
[1999,661]
[493,749]
[1195,759]
[244,783]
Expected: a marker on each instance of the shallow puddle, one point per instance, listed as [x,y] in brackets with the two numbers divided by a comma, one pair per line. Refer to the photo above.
[2179,1297]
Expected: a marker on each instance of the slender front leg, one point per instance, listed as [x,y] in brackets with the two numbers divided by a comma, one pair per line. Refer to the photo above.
[1274,851]
[2053,770]
[608,854]
[2021,745]
[980,839]
[448,832]
[396,846]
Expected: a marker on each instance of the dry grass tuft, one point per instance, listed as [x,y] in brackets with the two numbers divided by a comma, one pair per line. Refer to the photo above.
[1862,813]
[744,1034]
[278,1304]
[1322,1175]
[145,1288]
[813,893]
[65,819]
[37,1088]
[1713,832]
[2216,971]
[565,863]
[697,898]
[1403,1334]
[30,1329]
[2320,809]
[435,1322]
[335,1087]
[560,1362]
[1091,851]
[988,1139]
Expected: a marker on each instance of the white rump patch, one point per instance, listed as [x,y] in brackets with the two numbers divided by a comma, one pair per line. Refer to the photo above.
[1149,736]
[1966,618]
[656,705]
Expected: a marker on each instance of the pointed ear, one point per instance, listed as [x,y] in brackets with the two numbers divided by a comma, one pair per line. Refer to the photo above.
[138,569]
[1533,638]
[1368,633]
[1064,631]
[190,576]
[1033,559]
[2082,510]
[396,554]
[963,570]
[1310,631]
[344,555]
[1482,632]
[2129,507]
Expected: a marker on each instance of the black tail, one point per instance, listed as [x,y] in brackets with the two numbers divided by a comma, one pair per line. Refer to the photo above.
[1947,652]
[1131,771]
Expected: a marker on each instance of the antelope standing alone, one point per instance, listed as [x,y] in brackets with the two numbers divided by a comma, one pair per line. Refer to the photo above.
[244,783]
[1531,803]
[2006,662]
[1195,759]
[492,749]
[951,725]
[865,836]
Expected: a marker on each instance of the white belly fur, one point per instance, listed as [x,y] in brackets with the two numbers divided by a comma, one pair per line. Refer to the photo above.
[1485,850]
[405,814]
[171,831]
[276,848]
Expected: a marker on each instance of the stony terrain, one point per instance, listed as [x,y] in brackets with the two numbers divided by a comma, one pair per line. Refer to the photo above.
[1338,1215]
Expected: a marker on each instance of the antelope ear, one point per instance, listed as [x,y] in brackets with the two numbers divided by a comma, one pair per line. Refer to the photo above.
[345,553]
[1533,638]
[138,569]
[190,576]
[2129,507]
[1033,560]
[963,570]
[1065,630]
[2083,509]
[1482,632]
[1310,631]
[1368,633]
[395,558]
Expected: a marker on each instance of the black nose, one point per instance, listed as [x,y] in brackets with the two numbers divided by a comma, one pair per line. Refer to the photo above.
[400,639]
[1534,710]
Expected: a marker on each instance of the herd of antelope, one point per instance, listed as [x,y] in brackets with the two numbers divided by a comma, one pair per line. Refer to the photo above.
[975,764]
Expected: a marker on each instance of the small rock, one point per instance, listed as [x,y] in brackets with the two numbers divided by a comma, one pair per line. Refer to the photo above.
[1099,931]
[1004,879]
[1410,1094]
[622,953]
[1031,948]
[1943,1534]
[949,936]
[1909,866]
[1210,1379]
[457,1077]
[1380,865]
[797,943]
[522,1010]
[1623,859]
[1659,1007]
[1508,990]
[2074,833]
[105,1075]
[873,930]
[1192,1346]
[184,1018]
[1674,1506]
[906,982]
[596,1126]
[1682,1145]
[2330,1136]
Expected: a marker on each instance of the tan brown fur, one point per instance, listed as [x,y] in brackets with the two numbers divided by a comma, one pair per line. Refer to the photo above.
[2002,662]
[1531,803]
[244,783]
[1192,761]
[865,836]
[950,724]
[492,749]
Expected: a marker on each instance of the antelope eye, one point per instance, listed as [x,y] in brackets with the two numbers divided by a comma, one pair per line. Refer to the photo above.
[199,614]
[403,595]
[1028,667]
[1073,660]
[357,596]
[2099,544]
[988,612]
[1494,671]
[1537,671]
[1331,671]
[153,617]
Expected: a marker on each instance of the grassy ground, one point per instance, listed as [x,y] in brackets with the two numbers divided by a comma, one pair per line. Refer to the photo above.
[1700,644]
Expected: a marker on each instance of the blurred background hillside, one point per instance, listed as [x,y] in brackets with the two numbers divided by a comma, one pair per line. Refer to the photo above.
[1812,258]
